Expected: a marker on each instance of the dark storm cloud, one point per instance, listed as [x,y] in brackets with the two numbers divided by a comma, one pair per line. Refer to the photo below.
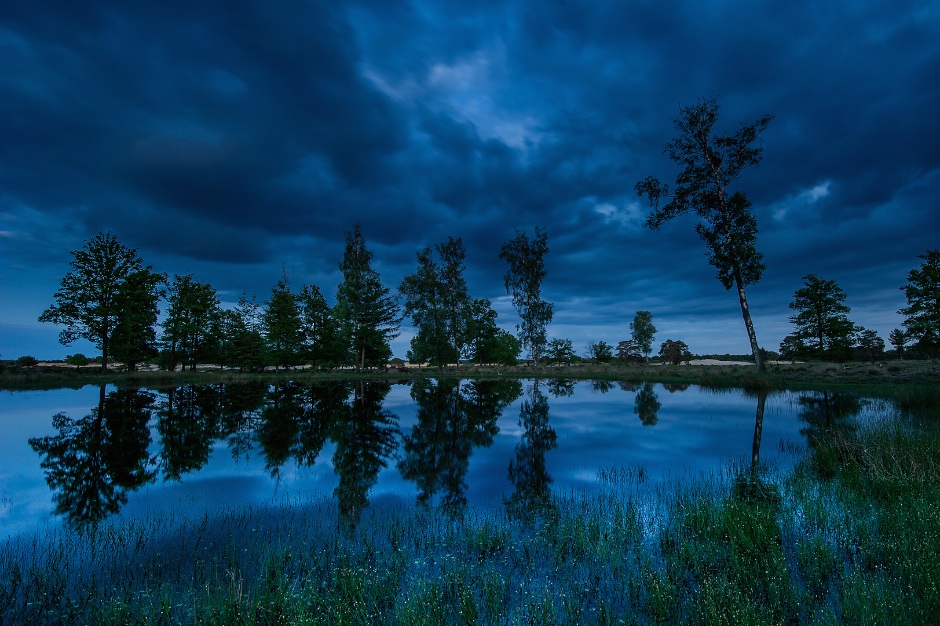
[257,134]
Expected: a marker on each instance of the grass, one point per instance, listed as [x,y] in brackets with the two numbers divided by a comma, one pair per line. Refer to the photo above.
[851,536]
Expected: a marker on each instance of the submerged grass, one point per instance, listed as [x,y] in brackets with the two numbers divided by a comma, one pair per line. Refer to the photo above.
[851,536]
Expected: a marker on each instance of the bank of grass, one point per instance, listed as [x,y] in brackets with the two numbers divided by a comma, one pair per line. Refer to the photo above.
[885,379]
[859,547]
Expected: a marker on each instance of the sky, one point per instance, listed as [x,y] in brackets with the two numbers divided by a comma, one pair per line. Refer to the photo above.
[239,141]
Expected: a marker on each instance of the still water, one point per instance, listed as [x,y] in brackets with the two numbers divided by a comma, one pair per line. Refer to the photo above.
[78,456]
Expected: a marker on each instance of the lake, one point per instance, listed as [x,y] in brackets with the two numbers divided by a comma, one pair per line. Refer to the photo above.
[77,456]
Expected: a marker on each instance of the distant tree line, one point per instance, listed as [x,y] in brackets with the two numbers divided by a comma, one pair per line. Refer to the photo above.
[112,299]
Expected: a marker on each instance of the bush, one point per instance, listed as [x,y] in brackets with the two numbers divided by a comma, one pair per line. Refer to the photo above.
[27,361]
[77,359]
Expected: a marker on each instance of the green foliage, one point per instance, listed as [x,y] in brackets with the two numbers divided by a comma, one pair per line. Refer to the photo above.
[710,164]
[600,351]
[366,310]
[560,351]
[526,259]
[823,329]
[642,332]
[27,361]
[77,359]
[922,313]
[898,339]
[88,302]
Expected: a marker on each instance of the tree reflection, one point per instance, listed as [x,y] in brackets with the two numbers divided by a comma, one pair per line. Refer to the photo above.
[646,405]
[601,386]
[95,461]
[560,387]
[829,427]
[454,417]
[187,422]
[365,438]
[240,415]
[749,484]
[528,473]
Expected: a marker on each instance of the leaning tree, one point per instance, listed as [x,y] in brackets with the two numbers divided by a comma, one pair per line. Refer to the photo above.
[710,163]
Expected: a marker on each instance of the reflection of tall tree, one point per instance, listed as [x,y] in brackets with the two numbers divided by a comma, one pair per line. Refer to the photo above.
[188,421]
[528,473]
[95,461]
[749,485]
[240,411]
[365,437]
[452,420]
[326,406]
[646,405]
[278,429]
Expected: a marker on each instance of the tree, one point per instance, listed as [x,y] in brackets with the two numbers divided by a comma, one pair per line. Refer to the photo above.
[283,326]
[674,352]
[898,339]
[600,351]
[88,300]
[187,329]
[248,350]
[642,332]
[135,338]
[791,347]
[629,351]
[524,284]
[869,345]
[322,342]
[922,313]
[560,351]
[822,326]
[710,164]
[366,310]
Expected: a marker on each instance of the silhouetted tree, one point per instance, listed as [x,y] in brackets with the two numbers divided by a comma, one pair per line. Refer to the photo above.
[600,351]
[629,351]
[488,343]
[710,164]
[322,342]
[642,332]
[283,326]
[922,313]
[822,326]
[524,284]
[366,310]
[88,301]
[869,345]
[898,339]
[560,351]
[135,339]
[187,329]
[674,352]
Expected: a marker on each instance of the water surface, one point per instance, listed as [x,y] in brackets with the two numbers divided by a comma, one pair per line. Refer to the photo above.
[78,456]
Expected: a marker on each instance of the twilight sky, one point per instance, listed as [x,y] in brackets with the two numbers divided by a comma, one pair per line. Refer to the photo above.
[232,142]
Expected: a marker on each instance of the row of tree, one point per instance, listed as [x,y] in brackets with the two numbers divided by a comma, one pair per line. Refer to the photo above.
[824,330]
[111,298]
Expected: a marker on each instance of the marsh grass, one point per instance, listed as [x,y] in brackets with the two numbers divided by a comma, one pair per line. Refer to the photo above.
[851,536]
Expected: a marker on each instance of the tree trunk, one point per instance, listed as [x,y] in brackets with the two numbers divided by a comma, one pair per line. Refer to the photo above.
[749,325]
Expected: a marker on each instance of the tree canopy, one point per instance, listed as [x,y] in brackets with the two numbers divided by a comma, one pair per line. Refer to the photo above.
[822,325]
[526,259]
[710,164]
[922,313]
[89,300]
[366,309]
